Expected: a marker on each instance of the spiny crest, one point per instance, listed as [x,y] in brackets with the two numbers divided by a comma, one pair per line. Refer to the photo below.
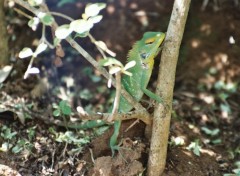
[133,53]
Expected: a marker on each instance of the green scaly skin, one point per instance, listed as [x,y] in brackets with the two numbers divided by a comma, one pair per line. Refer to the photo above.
[143,52]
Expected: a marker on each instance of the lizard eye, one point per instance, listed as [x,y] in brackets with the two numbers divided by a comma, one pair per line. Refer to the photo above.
[144,55]
[150,41]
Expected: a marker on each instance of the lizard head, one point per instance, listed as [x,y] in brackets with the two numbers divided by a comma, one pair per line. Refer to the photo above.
[149,47]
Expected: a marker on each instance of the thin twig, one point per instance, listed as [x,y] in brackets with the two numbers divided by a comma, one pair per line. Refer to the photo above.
[89,58]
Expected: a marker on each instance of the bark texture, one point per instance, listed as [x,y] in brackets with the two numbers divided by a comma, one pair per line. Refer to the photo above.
[4,54]
[165,85]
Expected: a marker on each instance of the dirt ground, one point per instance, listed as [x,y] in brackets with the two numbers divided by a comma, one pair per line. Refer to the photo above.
[203,97]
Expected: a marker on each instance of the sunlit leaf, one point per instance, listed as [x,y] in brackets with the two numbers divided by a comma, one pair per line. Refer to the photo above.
[5,146]
[130,65]
[94,9]
[195,147]
[80,26]
[56,113]
[35,2]
[33,70]
[33,23]
[4,72]
[114,69]
[26,52]
[63,31]
[110,61]
[41,47]
[95,19]
[82,35]
[126,72]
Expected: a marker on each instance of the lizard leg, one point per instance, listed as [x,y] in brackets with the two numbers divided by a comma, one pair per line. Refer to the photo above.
[152,95]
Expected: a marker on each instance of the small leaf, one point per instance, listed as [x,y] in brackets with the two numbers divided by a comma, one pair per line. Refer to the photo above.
[35,2]
[110,61]
[82,35]
[33,70]
[56,113]
[41,47]
[80,26]
[4,72]
[213,132]
[63,31]
[33,23]
[130,65]
[95,19]
[225,108]
[114,69]
[17,149]
[85,94]
[126,72]
[56,41]
[65,108]
[63,2]
[94,9]
[26,52]
[5,146]
[47,19]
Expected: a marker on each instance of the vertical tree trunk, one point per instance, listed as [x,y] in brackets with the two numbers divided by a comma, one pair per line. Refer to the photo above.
[4,54]
[165,85]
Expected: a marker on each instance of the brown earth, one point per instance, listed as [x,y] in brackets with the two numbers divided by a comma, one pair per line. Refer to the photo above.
[206,57]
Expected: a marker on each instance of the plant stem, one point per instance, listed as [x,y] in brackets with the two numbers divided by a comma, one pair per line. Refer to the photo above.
[165,85]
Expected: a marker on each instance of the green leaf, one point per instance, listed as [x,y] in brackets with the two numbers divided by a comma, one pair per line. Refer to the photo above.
[7,134]
[56,41]
[63,2]
[17,149]
[26,52]
[94,9]
[195,147]
[47,19]
[82,35]
[80,26]
[56,112]
[236,171]
[63,31]
[213,132]
[225,108]
[65,108]
[216,141]
[85,94]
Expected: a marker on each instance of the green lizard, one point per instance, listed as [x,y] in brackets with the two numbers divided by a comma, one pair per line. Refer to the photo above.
[143,53]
